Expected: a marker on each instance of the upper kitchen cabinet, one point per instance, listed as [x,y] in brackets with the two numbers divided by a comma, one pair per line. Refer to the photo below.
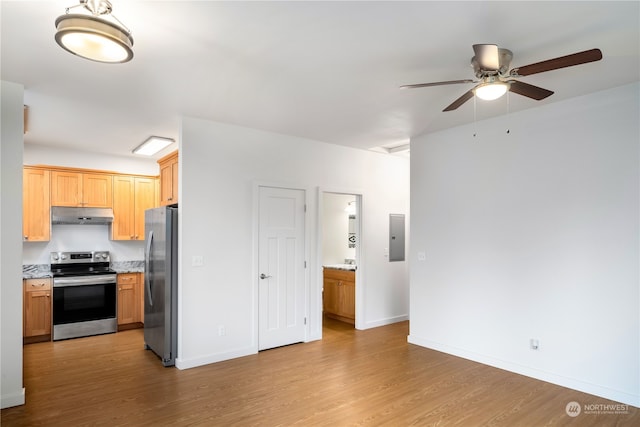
[36,207]
[169,179]
[132,195]
[69,188]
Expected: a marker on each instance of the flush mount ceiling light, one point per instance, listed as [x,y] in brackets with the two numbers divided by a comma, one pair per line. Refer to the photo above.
[153,145]
[491,91]
[93,37]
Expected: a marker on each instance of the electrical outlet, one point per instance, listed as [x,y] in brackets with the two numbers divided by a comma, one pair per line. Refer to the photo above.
[197,261]
[534,344]
[221,331]
[422,256]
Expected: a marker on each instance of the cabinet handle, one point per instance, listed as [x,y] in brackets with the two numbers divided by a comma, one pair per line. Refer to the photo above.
[169,198]
[26,237]
[47,295]
[132,237]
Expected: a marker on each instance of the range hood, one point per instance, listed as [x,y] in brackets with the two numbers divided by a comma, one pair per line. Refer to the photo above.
[65,215]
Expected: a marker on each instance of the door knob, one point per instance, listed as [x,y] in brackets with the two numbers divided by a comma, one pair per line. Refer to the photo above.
[264,276]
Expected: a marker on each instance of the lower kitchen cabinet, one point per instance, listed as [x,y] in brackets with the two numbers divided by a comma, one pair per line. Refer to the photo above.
[129,300]
[37,310]
[339,295]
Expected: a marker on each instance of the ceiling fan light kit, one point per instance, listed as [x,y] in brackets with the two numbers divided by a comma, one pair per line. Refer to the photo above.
[491,64]
[491,91]
[92,37]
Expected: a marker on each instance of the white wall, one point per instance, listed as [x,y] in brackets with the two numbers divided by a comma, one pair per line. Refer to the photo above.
[220,165]
[42,155]
[11,141]
[534,234]
[84,237]
[81,238]
[335,229]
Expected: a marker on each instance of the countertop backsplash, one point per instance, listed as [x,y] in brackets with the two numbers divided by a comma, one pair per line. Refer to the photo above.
[81,238]
[126,256]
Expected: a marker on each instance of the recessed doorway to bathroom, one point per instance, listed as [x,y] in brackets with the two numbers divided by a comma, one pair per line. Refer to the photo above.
[340,246]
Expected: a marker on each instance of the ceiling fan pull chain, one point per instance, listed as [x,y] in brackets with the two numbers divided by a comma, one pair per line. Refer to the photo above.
[475,121]
[508,112]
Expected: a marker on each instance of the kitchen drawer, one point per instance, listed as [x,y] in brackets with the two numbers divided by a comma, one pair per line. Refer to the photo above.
[126,278]
[34,285]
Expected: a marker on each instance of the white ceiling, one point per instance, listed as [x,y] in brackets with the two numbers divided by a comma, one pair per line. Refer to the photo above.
[327,71]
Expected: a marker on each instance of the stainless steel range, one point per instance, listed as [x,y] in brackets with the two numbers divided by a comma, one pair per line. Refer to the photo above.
[84,294]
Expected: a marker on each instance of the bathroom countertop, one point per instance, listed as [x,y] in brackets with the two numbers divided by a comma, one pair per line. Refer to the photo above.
[348,267]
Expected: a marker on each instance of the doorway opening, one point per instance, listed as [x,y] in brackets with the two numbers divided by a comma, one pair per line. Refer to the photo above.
[340,258]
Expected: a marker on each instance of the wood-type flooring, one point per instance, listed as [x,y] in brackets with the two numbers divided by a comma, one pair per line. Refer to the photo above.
[349,378]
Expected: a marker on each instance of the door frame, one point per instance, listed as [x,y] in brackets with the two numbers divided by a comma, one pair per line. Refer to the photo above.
[360,252]
[255,262]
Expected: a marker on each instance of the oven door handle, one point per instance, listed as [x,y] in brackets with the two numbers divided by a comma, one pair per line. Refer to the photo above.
[147,269]
[105,279]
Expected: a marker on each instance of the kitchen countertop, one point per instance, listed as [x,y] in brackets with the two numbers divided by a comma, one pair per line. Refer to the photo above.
[39,271]
[128,266]
[36,271]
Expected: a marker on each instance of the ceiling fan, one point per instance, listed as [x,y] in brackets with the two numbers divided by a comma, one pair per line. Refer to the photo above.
[491,66]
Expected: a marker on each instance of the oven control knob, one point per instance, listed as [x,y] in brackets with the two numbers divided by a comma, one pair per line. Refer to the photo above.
[55,257]
[63,256]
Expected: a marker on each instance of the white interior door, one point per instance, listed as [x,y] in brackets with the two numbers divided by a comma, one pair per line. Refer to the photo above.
[281,267]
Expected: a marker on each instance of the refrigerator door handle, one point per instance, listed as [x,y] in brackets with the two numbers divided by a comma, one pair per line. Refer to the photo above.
[147,276]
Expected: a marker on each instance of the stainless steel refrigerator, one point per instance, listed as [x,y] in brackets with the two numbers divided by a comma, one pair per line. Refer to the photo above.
[161,283]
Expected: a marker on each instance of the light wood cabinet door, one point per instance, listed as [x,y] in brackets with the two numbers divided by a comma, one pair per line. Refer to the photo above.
[81,189]
[169,179]
[36,206]
[37,307]
[132,196]
[97,190]
[128,302]
[66,188]
[330,295]
[145,198]
[124,221]
[347,299]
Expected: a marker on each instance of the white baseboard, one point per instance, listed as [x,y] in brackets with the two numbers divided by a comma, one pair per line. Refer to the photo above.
[12,399]
[572,383]
[213,358]
[384,322]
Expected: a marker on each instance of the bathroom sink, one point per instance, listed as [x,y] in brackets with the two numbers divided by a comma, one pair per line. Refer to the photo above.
[350,267]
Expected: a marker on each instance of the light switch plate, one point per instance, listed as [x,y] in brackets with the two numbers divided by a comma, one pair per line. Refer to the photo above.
[197,261]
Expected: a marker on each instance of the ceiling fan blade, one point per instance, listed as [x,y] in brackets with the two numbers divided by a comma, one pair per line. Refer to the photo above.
[448,82]
[487,56]
[458,102]
[560,62]
[530,91]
